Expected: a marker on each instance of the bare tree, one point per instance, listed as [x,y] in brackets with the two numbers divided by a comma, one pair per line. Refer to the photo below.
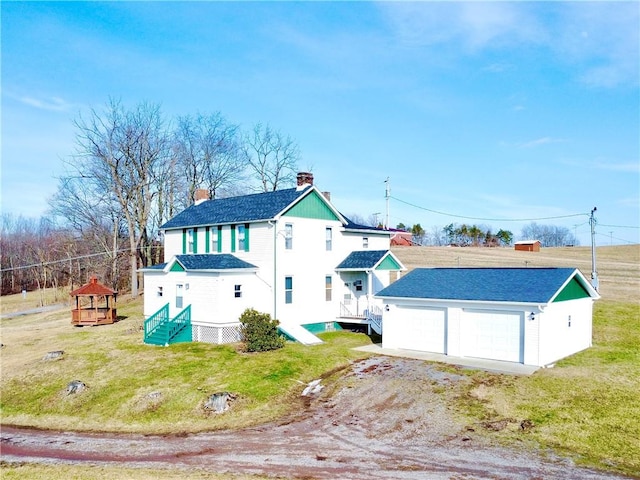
[272,158]
[96,218]
[118,154]
[209,153]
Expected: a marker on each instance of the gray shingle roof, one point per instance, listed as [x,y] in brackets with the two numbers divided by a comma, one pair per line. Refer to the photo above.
[362,260]
[528,285]
[245,208]
[218,261]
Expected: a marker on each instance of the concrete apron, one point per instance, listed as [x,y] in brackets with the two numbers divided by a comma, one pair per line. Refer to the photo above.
[494,366]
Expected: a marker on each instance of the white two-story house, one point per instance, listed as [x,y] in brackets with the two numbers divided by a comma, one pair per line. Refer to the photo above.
[289,253]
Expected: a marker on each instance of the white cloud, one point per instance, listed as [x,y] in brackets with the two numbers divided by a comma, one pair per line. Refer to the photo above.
[541,141]
[55,104]
[600,40]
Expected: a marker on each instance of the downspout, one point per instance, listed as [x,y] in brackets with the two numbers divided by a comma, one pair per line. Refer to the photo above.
[369,288]
[275,273]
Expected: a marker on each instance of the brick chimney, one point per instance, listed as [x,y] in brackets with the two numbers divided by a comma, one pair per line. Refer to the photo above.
[327,195]
[304,179]
[201,195]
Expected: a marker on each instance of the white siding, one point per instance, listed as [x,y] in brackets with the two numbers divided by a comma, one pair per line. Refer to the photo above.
[172,243]
[557,338]
[308,262]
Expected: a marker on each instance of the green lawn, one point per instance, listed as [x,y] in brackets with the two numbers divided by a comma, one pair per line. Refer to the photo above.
[588,405]
[121,372]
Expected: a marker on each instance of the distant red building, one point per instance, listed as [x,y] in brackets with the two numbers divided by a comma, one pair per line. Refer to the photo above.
[401,237]
[528,245]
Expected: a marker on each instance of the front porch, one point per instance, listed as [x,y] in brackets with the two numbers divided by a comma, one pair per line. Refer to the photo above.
[370,316]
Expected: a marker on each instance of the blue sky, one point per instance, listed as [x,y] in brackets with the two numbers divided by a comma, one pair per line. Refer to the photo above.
[479,113]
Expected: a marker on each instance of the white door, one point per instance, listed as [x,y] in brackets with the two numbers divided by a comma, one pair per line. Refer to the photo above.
[493,335]
[423,329]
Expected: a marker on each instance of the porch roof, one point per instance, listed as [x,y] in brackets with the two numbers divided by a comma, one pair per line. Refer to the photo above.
[203,262]
[369,260]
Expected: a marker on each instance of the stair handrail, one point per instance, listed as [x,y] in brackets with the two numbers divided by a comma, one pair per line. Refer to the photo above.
[374,317]
[180,321]
[155,320]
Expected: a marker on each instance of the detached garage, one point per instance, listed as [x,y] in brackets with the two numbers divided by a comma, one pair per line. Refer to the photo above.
[533,316]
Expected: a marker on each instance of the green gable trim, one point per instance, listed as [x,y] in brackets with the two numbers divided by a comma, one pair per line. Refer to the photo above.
[572,291]
[176,267]
[388,263]
[206,240]
[184,241]
[312,206]
[233,238]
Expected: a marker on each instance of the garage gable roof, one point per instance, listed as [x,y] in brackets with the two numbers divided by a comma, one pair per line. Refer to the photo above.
[521,285]
[369,260]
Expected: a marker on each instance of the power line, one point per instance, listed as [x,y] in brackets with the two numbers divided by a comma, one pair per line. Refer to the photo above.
[68,259]
[618,226]
[491,219]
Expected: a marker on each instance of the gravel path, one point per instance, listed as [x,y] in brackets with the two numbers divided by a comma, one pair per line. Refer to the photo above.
[384,421]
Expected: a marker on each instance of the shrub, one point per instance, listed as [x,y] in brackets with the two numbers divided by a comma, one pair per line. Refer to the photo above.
[259,332]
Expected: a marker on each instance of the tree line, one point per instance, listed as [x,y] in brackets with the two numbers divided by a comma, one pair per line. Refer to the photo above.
[479,235]
[132,170]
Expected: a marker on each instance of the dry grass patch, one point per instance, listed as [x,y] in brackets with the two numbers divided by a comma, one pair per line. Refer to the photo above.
[95,472]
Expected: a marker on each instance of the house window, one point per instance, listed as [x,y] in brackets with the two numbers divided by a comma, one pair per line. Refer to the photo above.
[327,288]
[288,236]
[288,289]
[190,241]
[365,242]
[241,233]
[569,322]
[215,240]
[358,285]
[328,233]
[237,291]
[159,291]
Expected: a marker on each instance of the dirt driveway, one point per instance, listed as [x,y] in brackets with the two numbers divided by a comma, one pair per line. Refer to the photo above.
[383,421]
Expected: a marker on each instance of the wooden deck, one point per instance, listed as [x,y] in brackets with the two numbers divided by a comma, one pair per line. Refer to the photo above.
[93,316]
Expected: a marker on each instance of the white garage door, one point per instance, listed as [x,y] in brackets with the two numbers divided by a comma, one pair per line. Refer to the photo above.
[493,335]
[423,329]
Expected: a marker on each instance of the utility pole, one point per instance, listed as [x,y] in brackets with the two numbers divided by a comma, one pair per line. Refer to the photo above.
[594,270]
[387,195]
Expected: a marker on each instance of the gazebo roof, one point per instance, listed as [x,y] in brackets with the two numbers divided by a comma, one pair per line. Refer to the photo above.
[93,288]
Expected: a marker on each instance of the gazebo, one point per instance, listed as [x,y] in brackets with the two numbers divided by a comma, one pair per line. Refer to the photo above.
[92,304]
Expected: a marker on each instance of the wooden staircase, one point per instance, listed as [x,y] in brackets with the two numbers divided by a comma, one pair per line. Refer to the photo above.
[159,329]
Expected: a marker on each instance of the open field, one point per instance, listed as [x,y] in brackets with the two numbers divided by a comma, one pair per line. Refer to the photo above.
[585,407]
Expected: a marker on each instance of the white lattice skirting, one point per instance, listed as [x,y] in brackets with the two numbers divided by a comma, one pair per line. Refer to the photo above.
[219,334]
